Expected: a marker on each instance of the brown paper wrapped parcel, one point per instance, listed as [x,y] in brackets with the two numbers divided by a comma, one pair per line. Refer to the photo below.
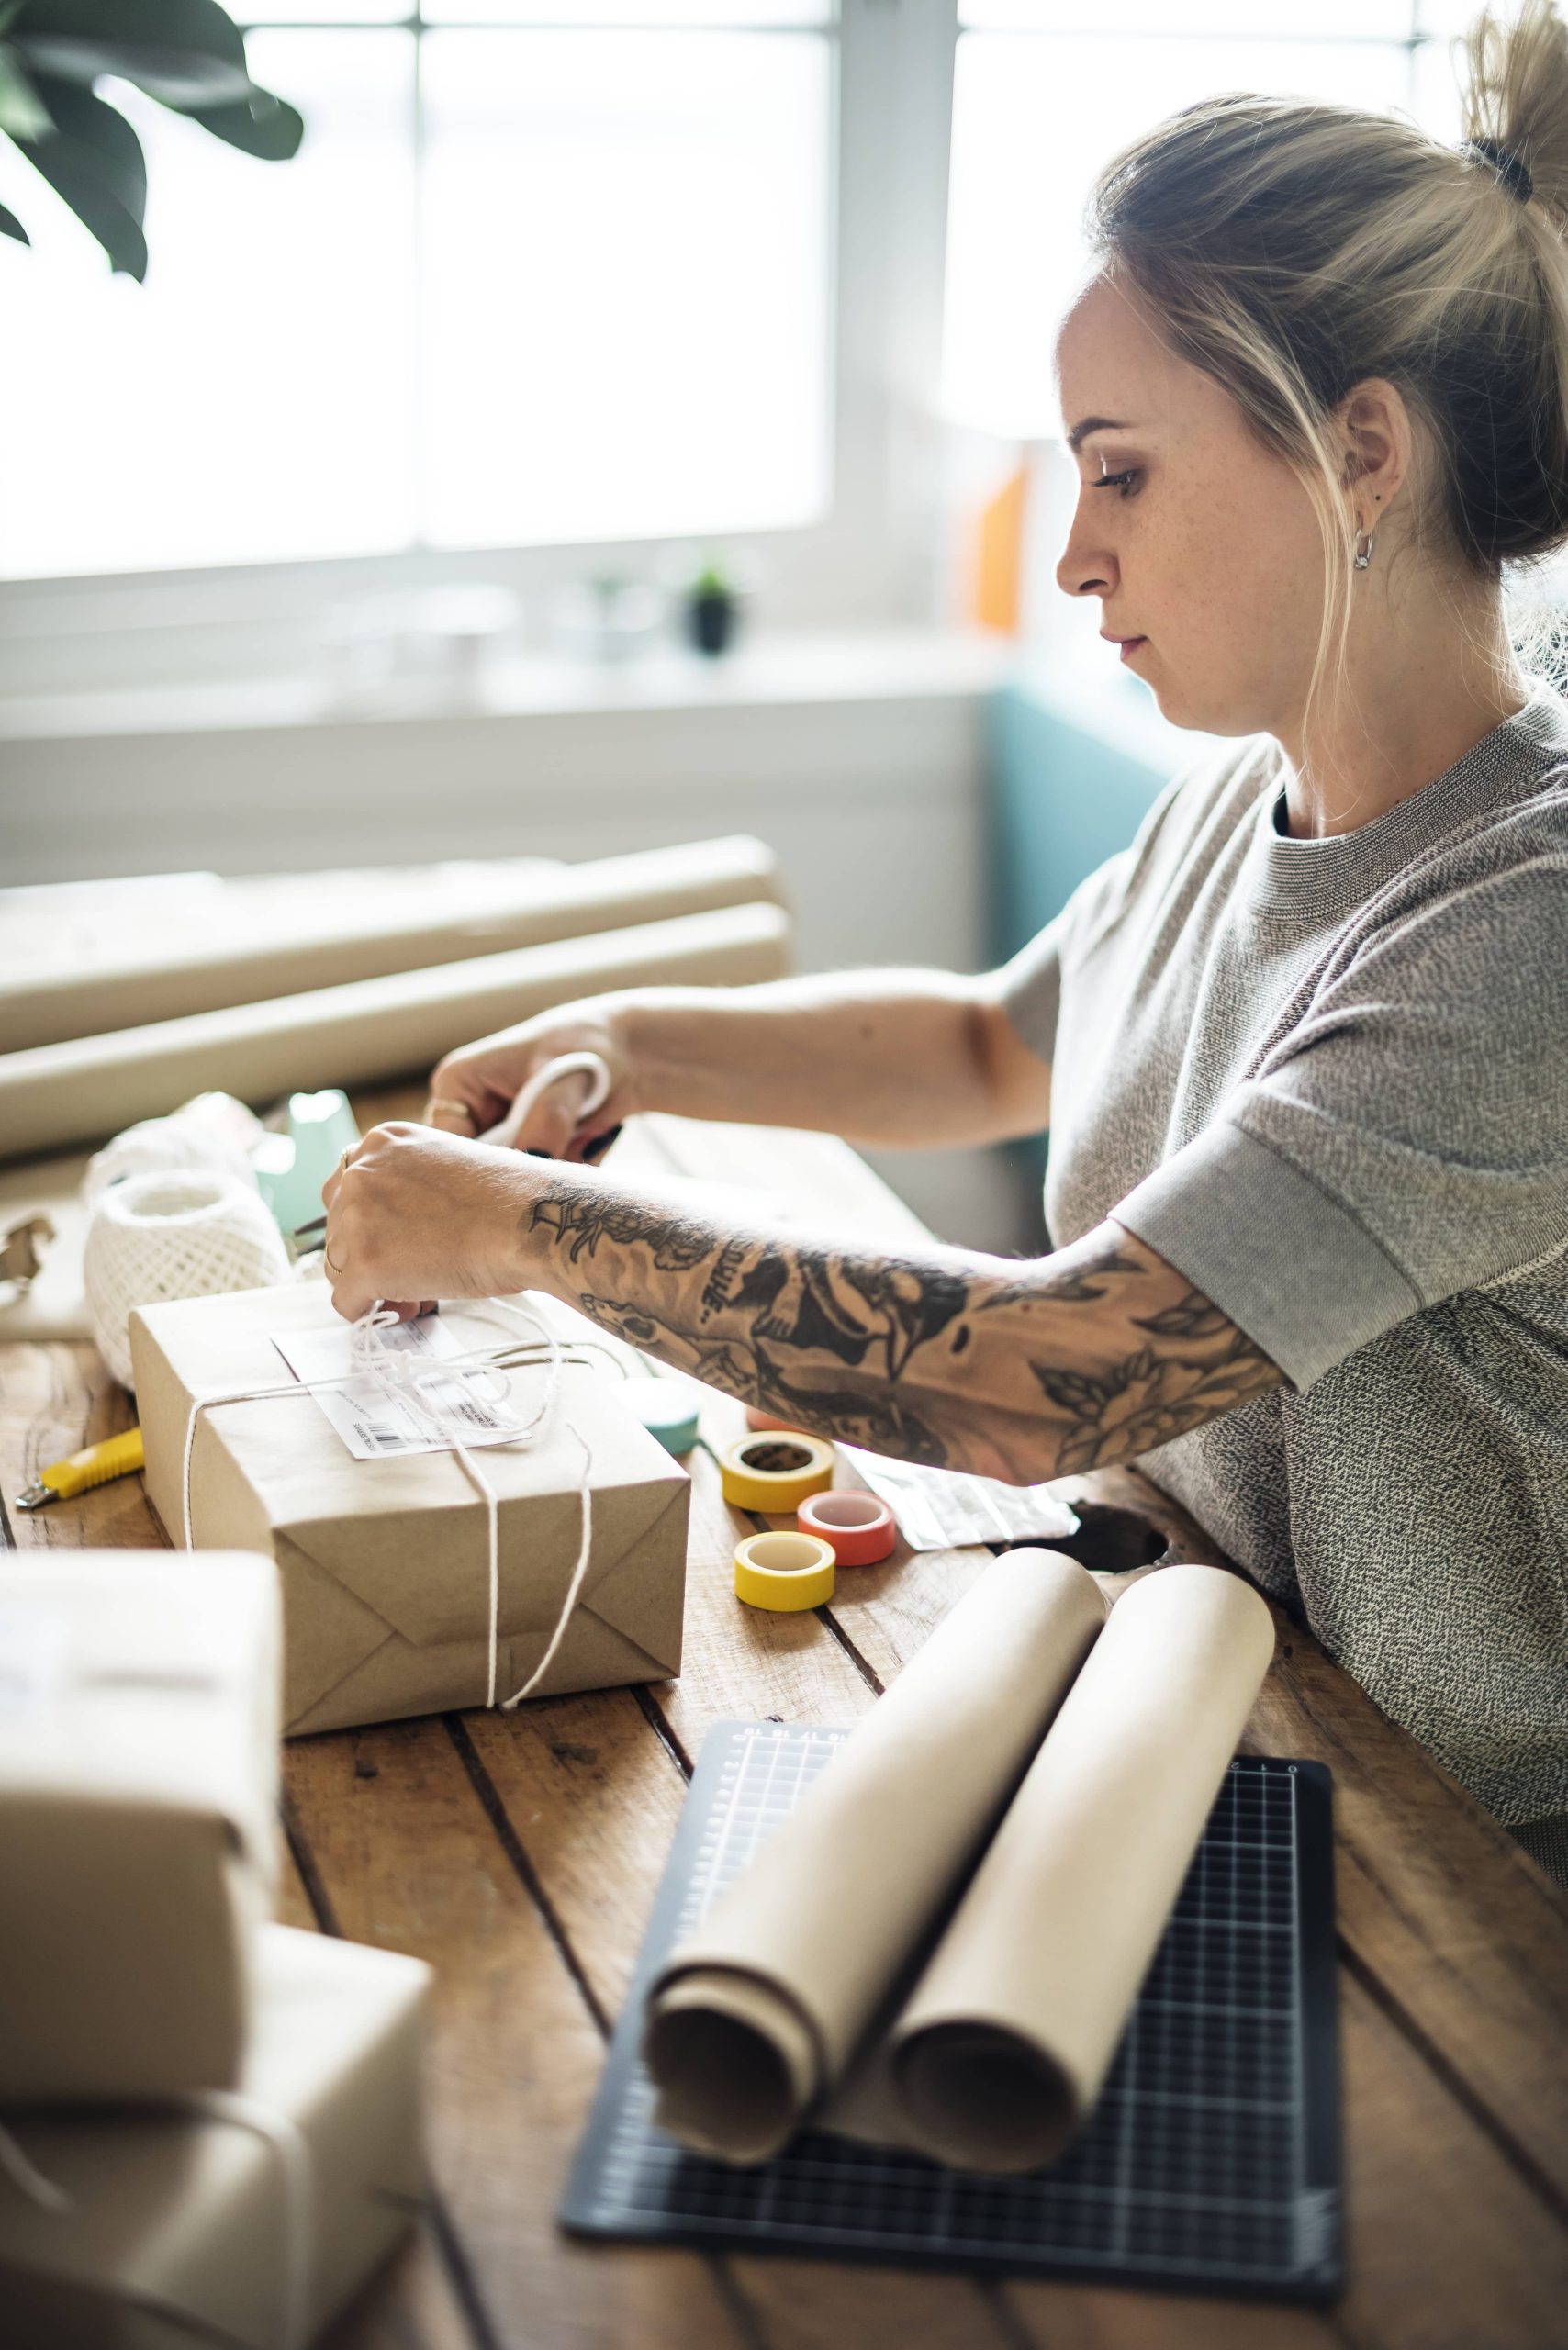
[181,2227]
[385,1564]
[139,1724]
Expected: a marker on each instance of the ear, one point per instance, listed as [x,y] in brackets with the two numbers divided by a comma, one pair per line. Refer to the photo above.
[1378,440]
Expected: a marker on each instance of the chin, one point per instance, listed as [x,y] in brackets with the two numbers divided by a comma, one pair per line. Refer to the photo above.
[1203,711]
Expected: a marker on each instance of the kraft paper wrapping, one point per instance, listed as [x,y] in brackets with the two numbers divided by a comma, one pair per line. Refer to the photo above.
[139,1724]
[320,940]
[365,1032]
[758,2013]
[1003,2045]
[385,1564]
[179,2229]
[1009,2033]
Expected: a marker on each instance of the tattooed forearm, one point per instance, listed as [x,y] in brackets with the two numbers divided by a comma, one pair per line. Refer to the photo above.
[1087,1357]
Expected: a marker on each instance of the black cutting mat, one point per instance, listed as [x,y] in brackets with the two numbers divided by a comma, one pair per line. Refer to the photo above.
[1211,2160]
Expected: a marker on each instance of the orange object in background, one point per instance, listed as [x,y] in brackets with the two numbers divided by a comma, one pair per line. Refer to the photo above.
[999,556]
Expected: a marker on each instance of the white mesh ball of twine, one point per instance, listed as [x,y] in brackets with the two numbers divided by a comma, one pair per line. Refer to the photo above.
[172,1233]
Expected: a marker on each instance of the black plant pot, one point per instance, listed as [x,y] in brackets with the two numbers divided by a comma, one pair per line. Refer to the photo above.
[711,620]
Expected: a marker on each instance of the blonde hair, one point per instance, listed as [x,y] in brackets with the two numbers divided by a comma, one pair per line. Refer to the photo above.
[1292,249]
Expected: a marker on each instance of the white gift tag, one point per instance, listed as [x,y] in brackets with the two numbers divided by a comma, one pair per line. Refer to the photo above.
[941,1509]
[471,1407]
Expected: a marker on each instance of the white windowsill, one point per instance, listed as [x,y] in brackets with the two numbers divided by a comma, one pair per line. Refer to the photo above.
[770,672]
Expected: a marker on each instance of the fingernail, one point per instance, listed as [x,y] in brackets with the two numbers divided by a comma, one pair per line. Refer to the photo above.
[601,1144]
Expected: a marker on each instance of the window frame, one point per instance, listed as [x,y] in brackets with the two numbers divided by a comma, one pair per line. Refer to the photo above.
[867,562]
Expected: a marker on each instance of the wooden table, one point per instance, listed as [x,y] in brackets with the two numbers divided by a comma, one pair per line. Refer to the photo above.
[519,1854]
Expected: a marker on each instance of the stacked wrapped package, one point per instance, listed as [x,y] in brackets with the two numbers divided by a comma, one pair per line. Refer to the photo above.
[209,2123]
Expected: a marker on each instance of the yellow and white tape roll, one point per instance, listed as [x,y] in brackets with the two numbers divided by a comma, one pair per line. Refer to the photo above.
[784,1572]
[775,1472]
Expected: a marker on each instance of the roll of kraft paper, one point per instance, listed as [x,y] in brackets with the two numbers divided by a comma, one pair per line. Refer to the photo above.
[756,2014]
[372,1030]
[360,938]
[1003,2044]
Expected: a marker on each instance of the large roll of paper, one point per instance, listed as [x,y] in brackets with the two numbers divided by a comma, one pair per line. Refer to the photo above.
[940,1947]
[288,935]
[366,1032]
[1002,2049]
[757,2014]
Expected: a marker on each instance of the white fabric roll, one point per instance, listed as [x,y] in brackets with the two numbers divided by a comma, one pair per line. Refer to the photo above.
[166,1234]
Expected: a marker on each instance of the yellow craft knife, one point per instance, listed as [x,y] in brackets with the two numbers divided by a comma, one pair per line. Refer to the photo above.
[116,1457]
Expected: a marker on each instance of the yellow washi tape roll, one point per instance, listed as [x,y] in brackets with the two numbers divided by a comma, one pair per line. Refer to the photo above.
[775,1472]
[784,1572]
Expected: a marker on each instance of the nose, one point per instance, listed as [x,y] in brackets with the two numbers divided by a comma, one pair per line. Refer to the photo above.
[1087,567]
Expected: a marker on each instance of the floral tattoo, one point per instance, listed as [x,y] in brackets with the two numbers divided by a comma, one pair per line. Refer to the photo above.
[1089,1356]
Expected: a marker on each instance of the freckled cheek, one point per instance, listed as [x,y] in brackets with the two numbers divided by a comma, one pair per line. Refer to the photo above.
[1220,573]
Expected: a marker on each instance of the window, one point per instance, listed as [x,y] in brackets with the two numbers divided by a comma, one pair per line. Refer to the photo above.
[1044,91]
[544,271]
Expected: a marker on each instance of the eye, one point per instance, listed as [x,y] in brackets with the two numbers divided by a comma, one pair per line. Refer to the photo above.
[1116,481]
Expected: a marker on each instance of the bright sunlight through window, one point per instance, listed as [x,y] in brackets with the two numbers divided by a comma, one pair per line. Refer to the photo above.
[521,285]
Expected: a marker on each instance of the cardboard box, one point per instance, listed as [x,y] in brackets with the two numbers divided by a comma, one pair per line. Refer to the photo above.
[139,1727]
[180,2228]
[384,1564]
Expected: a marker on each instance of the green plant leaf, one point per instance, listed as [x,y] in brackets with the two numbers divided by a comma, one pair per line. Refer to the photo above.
[22,112]
[92,159]
[260,124]
[11,227]
[186,53]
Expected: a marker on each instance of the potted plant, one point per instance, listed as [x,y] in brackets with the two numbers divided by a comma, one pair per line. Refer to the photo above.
[712,608]
[188,54]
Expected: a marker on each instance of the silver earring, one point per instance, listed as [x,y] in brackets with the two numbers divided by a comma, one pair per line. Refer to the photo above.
[1364,554]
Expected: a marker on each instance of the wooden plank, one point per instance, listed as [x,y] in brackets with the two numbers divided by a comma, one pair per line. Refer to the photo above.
[405,1853]
[1449,2249]
[1438,1906]
[53,1400]
[408,2304]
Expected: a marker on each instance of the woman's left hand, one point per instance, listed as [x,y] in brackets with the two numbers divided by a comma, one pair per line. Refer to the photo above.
[414,1215]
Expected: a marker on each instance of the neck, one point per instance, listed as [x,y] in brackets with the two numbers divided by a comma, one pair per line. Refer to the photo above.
[1420,689]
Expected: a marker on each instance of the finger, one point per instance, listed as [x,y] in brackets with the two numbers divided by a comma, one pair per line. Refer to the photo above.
[329,1188]
[450,1114]
[349,1297]
[549,1125]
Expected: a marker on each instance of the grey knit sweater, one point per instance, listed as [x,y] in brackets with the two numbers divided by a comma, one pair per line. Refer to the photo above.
[1328,1080]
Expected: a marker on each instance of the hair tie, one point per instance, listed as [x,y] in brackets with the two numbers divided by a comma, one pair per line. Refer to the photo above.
[1511,168]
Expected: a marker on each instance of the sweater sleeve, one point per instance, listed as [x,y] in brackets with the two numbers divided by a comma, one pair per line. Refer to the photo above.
[1407,1141]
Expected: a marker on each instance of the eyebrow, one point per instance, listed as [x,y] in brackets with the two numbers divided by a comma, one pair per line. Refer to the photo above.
[1087,424]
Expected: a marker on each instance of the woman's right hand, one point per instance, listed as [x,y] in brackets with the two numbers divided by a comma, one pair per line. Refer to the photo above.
[473,1088]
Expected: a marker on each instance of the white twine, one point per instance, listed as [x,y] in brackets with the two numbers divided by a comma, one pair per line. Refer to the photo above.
[168,1233]
[402,1377]
[295,2173]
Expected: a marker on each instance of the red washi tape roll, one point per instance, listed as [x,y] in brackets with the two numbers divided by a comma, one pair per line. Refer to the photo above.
[857,1528]
[756,1419]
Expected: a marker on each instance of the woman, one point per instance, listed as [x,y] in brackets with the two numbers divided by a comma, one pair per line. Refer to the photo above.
[1303,1048]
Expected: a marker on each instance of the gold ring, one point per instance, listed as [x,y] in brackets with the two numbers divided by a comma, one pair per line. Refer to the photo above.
[449,1102]
[327,1261]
